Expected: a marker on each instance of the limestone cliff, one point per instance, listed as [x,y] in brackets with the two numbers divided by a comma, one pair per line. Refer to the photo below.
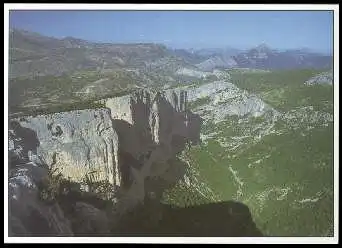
[75,142]
[131,141]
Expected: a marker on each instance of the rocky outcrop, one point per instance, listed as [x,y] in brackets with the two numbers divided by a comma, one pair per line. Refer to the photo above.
[193,73]
[133,140]
[322,78]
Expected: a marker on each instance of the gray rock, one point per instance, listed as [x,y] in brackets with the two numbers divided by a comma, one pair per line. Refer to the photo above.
[28,215]
[322,78]
[225,99]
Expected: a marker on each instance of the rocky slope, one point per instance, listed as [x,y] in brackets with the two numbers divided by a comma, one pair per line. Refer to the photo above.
[131,141]
[322,78]
[217,100]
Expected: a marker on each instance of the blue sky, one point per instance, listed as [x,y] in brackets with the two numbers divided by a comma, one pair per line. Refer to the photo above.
[240,29]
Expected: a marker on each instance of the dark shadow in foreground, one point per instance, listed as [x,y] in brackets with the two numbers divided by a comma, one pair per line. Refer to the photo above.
[221,219]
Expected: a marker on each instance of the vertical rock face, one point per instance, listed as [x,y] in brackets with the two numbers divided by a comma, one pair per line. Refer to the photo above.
[134,139]
[76,143]
[152,129]
[152,118]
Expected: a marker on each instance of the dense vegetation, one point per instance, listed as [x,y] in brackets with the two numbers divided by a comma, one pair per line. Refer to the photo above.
[286,177]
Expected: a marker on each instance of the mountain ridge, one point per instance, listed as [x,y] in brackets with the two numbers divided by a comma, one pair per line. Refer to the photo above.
[30,51]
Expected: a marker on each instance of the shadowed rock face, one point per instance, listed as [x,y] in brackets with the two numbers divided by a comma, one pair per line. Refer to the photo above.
[135,139]
[195,122]
[152,128]
[24,140]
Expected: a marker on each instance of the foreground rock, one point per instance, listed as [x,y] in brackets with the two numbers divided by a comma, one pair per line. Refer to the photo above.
[88,220]
[134,139]
[28,215]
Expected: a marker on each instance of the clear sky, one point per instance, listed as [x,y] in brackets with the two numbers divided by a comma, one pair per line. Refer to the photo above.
[240,29]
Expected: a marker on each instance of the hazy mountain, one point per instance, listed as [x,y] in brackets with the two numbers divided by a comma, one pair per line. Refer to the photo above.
[189,55]
[217,62]
[217,58]
[227,51]
[263,57]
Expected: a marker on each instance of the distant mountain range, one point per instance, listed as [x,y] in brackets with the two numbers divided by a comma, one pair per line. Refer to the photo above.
[32,53]
[261,57]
